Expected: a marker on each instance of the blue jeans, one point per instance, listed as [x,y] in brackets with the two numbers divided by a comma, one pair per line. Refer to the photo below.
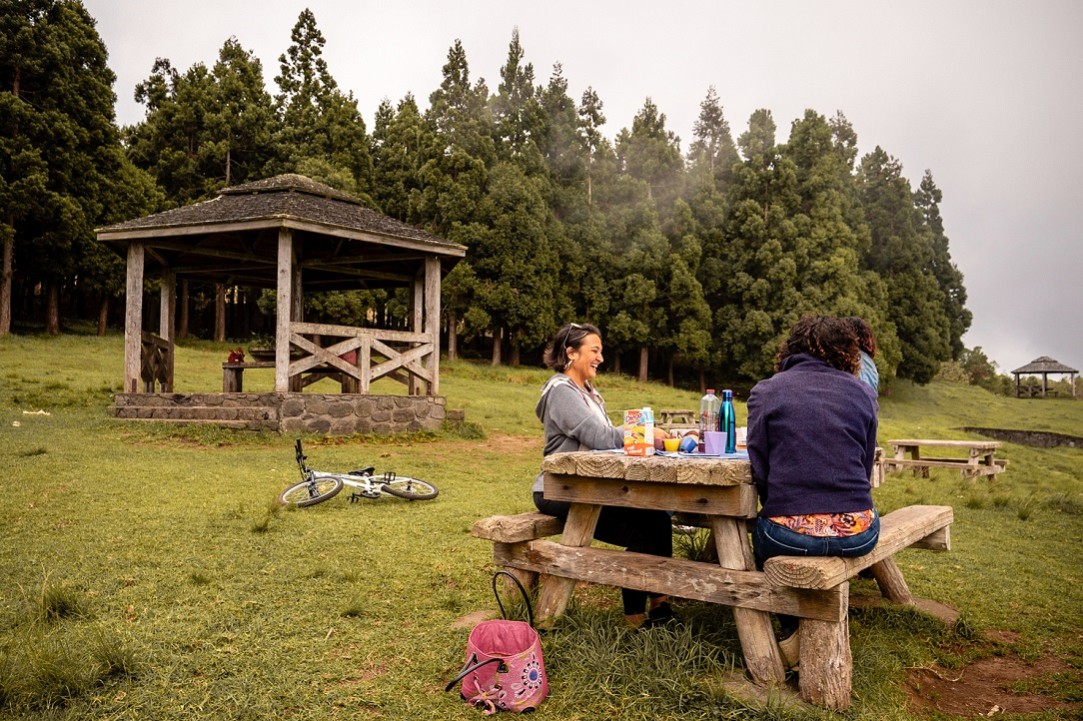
[769,539]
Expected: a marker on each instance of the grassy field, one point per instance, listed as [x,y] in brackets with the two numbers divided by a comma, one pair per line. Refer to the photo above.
[146,572]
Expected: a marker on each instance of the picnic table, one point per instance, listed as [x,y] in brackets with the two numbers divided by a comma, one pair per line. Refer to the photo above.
[720,492]
[980,458]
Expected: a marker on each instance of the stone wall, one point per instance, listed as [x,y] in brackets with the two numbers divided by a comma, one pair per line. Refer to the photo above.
[341,414]
[338,414]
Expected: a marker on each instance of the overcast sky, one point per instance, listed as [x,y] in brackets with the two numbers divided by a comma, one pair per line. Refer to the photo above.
[987,94]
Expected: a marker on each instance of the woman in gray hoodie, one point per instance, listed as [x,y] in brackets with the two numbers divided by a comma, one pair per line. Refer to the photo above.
[575,419]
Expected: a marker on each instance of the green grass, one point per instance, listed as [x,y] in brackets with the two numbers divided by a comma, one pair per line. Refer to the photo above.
[146,572]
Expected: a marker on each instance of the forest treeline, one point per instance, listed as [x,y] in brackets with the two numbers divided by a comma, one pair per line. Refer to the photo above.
[695,263]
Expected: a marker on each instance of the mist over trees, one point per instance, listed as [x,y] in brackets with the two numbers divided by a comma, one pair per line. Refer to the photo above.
[695,263]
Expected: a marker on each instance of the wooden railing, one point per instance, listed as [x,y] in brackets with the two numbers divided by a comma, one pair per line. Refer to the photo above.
[155,363]
[365,355]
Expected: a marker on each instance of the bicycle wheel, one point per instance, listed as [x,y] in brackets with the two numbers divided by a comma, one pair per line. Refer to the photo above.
[308,493]
[411,489]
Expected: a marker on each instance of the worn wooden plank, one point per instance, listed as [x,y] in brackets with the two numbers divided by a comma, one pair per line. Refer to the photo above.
[665,469]
[557,589]
[133,318]
[891,581]
[521,527]
[285,303]
[898,529]
[937,443]
[672,576]
[736,501]
[826,673]
[959,464]
[762,657]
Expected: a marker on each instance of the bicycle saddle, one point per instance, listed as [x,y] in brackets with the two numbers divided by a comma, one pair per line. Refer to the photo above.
[364,471]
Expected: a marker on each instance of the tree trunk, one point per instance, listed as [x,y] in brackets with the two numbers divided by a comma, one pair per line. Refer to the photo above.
[6,273]
[52,306]
[452,337]
[103,314]
[182,326]
[498,336]
[643,364]
[220,312]
[670,372]
[513,360]
[616,363]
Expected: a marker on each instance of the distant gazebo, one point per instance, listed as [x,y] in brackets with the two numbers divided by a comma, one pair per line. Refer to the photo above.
[1045,367]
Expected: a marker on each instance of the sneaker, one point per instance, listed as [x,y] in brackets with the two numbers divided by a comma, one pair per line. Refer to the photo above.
[790,647]
[659,616]
[685,530]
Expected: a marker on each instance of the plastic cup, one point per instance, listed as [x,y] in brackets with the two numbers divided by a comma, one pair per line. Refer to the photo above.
[671,444]
[714,442]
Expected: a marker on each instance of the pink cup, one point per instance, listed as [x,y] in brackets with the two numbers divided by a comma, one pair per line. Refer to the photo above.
[714,442]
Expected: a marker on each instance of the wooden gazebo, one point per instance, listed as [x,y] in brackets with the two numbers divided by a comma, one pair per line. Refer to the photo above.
[1043,366]
[291,234]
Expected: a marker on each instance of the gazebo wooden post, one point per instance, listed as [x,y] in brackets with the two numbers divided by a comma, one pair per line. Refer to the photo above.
[167,321]
[418,325]
[133,318]
[432,319]
[284,309]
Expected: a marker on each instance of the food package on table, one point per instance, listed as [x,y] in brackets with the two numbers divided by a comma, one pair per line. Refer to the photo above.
[639,432]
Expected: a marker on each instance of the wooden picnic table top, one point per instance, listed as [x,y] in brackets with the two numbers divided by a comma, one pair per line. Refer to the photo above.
[979,445]
[686,468]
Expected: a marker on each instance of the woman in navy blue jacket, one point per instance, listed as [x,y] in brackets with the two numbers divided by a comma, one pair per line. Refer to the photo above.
[811,444]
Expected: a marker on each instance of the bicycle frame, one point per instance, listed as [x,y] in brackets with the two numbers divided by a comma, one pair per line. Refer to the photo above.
[368,484]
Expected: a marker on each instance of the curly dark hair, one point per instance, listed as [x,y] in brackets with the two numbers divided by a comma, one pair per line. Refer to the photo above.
[866,341]
[829,338]
[570,335]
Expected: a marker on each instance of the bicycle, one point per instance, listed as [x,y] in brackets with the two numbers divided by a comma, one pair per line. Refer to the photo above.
[319,486]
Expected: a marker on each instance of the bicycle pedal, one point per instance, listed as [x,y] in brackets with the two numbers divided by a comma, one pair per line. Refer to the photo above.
[355,497]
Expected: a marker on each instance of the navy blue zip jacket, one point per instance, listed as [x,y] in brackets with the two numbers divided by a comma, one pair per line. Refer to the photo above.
[811,439]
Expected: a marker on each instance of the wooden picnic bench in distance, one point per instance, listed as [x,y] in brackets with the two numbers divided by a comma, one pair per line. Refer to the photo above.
[980,459]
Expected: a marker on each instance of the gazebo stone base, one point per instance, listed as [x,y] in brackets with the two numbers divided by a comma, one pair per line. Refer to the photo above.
[338,414]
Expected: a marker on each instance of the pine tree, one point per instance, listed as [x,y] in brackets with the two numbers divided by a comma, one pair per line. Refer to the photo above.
[402,144]
[927,199]
[59,143]
[321,133]
[902,254]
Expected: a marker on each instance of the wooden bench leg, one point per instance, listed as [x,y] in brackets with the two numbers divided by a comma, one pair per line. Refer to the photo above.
[891,582]
[557,591]
[826,674]
[762,657]
[529,579]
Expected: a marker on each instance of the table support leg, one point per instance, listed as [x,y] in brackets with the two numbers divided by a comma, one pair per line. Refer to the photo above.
[891,582]
[826,663]
[762,657]
[557,591]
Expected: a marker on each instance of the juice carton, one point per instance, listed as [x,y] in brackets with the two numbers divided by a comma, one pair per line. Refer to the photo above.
[639,432]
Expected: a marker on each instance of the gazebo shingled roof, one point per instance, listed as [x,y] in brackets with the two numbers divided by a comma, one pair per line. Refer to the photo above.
[1044,364]
[233,237]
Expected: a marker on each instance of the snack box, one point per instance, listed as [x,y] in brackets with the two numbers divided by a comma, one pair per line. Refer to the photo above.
[639,432]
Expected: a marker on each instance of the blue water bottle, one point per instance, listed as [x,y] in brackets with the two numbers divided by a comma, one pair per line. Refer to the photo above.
[727,421]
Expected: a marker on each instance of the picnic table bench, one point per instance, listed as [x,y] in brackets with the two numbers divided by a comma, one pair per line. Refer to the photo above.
[980,460]
[720,491]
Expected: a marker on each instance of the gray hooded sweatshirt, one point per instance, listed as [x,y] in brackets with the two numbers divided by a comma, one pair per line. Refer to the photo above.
[574,420]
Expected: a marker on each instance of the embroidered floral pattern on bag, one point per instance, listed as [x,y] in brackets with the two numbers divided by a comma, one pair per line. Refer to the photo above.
[828,524]
[530,678]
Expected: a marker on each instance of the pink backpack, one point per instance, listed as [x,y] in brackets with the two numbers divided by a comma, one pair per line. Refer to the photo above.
[504,670]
